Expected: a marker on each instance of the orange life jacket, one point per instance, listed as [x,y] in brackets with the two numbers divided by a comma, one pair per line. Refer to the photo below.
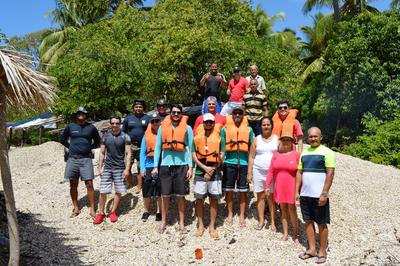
[237,138]
[150,141]
[174,138]
[208,148]
[286,126]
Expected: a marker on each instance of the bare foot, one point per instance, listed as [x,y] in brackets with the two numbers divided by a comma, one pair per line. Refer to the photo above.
[284,238]
[200,231]
[273,228]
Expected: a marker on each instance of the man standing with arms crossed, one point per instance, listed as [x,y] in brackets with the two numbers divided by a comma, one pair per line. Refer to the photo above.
[116,148]
[135,125]
[314,177]
[212,83]
[80,138]
[174,145]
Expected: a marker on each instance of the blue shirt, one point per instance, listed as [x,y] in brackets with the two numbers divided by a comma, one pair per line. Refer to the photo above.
[145,161]
[170,157]
[135,127]
[231,157]
[82,138]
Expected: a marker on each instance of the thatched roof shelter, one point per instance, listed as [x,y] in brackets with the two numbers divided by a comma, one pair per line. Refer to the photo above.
[22,88]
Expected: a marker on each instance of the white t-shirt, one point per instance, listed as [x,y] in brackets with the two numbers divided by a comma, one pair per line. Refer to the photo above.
[264,152]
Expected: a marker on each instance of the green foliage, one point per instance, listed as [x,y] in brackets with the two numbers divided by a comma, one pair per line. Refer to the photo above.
[380,143]
[164,53]
[360,76]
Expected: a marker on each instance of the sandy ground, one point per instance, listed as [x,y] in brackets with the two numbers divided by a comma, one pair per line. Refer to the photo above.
[365,222]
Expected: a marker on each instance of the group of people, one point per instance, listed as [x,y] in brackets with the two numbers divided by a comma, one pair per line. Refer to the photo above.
[229,148]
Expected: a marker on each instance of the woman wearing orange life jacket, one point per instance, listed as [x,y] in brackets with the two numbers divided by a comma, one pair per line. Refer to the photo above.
[208,155]
[174,145]
[237,137]
[151,184]
[285,122]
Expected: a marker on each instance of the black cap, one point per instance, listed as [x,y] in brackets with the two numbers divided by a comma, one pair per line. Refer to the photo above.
[81,109]
[162,102]
[236,69]
[138,102]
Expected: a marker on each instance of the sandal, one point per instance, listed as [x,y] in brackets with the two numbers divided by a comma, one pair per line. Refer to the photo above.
[242,224]
[228,223]
[320,259]
[74,214]
[305,255]
[162,230]
[200,232]
[258,226]
[183,230]
[214,235]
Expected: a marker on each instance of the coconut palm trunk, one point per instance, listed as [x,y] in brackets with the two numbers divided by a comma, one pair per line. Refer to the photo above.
[7,184]
[23,88]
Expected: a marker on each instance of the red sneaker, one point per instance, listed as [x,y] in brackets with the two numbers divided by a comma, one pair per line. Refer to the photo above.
[99,218]
[113,217]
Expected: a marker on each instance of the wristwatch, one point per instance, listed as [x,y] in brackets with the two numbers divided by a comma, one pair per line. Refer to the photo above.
[324,194]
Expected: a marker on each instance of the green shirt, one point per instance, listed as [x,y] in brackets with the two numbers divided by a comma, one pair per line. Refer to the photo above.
[231,157]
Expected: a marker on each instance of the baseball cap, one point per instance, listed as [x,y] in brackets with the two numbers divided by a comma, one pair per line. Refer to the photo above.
[154,117]
[236,69]
[81,109]
[237,108]
[208,117]
[162,102]
[138,102]
[286,135]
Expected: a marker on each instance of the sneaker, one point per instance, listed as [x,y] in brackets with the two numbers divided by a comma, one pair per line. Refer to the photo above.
[113,217]
[99,218]
[145,216]
[158,217]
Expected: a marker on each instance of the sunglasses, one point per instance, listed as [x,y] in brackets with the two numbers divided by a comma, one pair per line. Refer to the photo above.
[283,107]
[176,112]
[208,122]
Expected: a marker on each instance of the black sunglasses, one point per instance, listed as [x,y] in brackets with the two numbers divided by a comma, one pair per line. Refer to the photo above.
[176,112]
[283,107]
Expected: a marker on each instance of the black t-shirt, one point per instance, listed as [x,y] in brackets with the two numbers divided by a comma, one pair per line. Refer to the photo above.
[213,86]
[135,127]
[115,149]
[82,138]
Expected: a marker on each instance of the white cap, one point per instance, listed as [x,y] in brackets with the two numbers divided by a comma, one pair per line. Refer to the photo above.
[208,117]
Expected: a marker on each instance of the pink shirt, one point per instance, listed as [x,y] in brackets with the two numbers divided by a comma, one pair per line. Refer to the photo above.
[238,89]
[282,170]
[219,119]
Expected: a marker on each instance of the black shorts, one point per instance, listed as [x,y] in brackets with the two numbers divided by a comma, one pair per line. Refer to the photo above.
[151,185]
[235,177]
[311,211]
[173,180]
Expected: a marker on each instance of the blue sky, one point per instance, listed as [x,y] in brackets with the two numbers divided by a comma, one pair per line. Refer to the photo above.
[20,17]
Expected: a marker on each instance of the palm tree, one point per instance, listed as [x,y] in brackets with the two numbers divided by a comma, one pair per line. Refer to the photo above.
[21,87]
[310,4]
[317,37]
[395,4]
[264,23]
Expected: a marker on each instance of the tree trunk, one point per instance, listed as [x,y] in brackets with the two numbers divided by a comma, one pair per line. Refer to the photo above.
[7,185]
[336,10]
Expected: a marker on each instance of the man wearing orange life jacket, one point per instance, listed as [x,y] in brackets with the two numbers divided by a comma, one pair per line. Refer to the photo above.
[151,184]
[174,145]
[238,137]
[208,156]
[285,122]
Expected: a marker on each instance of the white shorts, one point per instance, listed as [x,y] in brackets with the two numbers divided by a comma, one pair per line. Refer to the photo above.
[212,188]
[259,179]
[228,107]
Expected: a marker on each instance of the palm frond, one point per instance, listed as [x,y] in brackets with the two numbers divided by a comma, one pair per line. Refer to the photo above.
[312,68]
[24,87]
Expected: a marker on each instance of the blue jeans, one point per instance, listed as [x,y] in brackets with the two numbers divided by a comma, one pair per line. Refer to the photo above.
[204,108]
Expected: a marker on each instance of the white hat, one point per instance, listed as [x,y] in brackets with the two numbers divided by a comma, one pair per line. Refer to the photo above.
[208,117]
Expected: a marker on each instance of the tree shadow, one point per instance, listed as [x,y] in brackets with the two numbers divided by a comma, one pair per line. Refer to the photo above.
[41,243]
[173,213]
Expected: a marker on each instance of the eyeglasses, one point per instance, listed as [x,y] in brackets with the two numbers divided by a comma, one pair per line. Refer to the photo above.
[176,112]
[155,121]
[283,107]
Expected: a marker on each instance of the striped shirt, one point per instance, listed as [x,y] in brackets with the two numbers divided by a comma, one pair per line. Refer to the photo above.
[254,104]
